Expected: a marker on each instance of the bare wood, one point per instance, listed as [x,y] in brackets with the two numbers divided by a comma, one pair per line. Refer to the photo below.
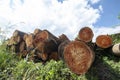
[62,38]
[85,34]
[78,57]
[116,49]
[104,41]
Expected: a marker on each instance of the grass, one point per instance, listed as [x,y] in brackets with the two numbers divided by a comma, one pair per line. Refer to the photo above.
[105,67]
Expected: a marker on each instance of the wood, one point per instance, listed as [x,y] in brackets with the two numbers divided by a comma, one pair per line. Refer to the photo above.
[36,31]
[62,38]
[18,36]
[54,56]
[78,57]
[116,49]
[45,42]
[104,41]
[61,49]
[85,34]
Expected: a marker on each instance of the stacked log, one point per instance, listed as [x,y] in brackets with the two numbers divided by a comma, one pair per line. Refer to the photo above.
[85,34]
[78,56]
[46,43]
[104,41]
[116,49]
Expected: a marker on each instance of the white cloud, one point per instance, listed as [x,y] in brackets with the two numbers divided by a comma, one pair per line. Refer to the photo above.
[94,1]
[101,8]
[67,17]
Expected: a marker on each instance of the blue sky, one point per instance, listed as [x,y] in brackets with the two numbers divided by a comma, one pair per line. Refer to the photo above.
[109,16]
[59,16]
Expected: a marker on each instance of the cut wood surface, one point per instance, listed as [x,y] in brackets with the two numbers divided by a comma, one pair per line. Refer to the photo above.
[62,38]
[104,41]
[36,31]
[78,57]
[85,34]
[116,49]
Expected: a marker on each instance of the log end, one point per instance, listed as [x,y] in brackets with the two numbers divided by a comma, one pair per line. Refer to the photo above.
[104,41]
[85,34]
[78,57]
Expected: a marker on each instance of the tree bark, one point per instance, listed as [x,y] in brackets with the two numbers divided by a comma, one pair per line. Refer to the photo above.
[45,42]
[85,34]
[78,57]
[104,41]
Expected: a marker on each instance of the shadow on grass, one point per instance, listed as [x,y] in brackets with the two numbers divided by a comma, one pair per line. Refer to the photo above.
[101,70]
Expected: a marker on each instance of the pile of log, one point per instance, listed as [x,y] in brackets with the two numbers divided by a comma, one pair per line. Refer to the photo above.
[78,54]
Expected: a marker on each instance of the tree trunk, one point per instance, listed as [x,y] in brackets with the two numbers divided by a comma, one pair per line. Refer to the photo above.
[116,49]
[62,38]
[36,31]
[78,57]
[45,42]
[85,34]
[61,49]
[104,41]
[54,56]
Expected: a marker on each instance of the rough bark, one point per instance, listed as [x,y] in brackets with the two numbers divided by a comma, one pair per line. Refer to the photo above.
[45,42]
[62,38]
[85,34]
[61,49]
[78,57]
[104,41]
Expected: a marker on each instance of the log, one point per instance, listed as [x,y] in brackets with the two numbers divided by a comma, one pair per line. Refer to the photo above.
[116,49]
[28,38]
[85,34]
[36,31]
[18,36]
[104,41]
[62,38]
[61,49]
[45,42]
[54,56]
[78,57]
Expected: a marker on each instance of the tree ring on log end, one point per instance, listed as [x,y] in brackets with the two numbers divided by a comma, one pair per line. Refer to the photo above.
[78,57]
[104,41]
[85,34]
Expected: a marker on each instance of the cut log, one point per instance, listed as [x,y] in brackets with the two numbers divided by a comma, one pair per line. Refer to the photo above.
[62,38]
[18,36]
[116,49]
[61,49]
[78,57]
[36,31]
[45,42]
[104,41]
[85,34]
[54,56]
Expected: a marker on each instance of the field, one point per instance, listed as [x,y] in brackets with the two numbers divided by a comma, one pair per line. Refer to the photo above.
[105,67]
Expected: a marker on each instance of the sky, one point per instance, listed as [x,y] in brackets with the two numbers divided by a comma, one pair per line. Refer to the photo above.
[60,16]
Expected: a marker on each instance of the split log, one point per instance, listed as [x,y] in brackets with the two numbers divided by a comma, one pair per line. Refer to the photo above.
[104,41]
[45,42]
[116,49]
[78,57]
[85,34]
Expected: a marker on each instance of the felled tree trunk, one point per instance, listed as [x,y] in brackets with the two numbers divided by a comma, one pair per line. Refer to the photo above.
[62,38]
[116,49]
[85,34]
[78,57]
[61,49]
[54,56]
[45,42]
[104,41]
[36,31]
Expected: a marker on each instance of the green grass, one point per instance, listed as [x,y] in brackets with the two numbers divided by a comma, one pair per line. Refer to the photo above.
[105,67]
